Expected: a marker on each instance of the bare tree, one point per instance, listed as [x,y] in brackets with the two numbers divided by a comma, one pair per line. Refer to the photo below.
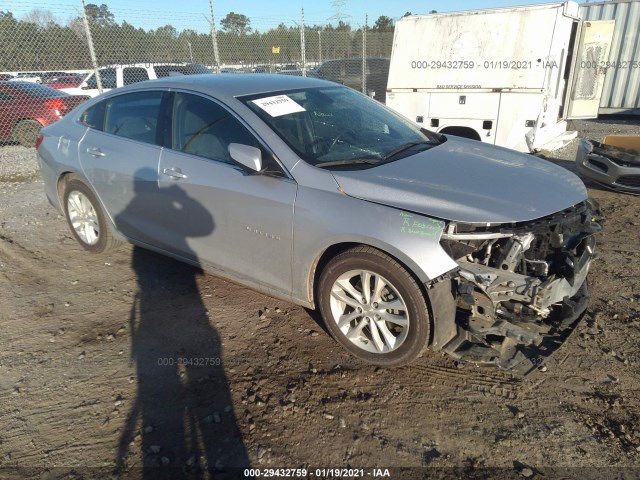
[41,17]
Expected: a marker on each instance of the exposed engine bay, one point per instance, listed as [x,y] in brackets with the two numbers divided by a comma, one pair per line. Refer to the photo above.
[520,289]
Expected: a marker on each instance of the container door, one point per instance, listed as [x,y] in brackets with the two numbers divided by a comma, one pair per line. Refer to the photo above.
[589,68]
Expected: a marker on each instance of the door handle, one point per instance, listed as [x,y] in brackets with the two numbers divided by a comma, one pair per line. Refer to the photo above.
[95,152]
[174,173]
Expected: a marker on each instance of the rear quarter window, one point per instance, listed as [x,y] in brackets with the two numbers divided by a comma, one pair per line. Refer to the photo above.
[93,117]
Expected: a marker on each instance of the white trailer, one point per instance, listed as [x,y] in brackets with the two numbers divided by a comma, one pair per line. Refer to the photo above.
[507,76]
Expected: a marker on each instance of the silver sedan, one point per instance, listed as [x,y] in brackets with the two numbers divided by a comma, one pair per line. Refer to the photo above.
[316,194]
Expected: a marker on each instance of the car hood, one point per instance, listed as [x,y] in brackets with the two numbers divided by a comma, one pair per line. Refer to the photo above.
[468,181]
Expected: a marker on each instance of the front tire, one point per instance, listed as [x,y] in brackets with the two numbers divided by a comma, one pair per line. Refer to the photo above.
[86,219]
[374,307]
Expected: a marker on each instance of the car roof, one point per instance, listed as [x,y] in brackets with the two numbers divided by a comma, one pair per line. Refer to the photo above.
[230,85]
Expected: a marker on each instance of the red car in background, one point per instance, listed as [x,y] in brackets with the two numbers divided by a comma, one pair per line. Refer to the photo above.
[66,81]
[26,107]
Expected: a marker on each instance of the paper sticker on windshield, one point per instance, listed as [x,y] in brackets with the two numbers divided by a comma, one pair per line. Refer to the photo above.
[278,105]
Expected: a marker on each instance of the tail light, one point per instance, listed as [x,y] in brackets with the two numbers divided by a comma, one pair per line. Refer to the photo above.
[57,105]
[39,140]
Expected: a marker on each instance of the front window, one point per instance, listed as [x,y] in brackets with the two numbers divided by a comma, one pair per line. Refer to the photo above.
[336,126]
[204,128]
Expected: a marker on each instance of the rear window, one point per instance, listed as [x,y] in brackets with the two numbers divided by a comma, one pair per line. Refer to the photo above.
[37,90]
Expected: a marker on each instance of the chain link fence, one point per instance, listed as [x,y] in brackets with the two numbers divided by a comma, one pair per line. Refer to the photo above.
[54,57]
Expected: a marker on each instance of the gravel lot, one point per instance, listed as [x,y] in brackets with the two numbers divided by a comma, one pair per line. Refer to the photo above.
[92,381]
[18,164]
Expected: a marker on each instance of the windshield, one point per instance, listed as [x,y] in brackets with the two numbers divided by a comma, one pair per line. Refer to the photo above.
[337,126]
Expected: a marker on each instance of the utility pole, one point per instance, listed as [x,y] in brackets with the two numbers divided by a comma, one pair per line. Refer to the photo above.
[364,55]
[302,46]
[214,40]
[92,52]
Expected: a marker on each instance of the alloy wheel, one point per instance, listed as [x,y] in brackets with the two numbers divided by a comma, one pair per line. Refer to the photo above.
[369,311]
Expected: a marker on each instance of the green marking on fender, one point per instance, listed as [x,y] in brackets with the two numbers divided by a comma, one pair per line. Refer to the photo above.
[421,227]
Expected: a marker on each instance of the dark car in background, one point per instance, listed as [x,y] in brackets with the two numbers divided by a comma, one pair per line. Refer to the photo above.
[26,107]
[289,69]
[65,81]
[348,71]
[48,77]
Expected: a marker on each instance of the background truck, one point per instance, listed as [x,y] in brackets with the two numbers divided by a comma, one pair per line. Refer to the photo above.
[507,76]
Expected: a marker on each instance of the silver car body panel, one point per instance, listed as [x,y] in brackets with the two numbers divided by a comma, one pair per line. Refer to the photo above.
[467,181]
[251,236]
[126,170]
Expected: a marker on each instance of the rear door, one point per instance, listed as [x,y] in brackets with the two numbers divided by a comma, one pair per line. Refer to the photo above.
[589,69]
[119,155]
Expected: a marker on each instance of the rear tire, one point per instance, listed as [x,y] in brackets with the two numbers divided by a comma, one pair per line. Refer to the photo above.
[86,218]
[387,323]
[26,132]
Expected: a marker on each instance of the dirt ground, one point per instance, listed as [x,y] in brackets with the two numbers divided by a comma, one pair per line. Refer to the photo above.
[111,363]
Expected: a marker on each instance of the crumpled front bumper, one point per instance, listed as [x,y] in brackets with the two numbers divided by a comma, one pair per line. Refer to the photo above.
[524,350]
[488,334]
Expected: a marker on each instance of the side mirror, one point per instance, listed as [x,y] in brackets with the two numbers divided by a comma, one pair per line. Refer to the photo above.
[250,157]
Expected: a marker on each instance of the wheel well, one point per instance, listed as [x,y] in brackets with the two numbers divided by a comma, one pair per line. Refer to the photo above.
[466,132]
[322,261]
[338,248]
[62,183]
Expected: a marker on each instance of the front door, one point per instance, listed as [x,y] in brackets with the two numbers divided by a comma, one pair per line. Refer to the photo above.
[216,212]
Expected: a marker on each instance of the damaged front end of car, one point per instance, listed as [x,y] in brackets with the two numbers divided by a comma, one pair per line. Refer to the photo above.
[520,289]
